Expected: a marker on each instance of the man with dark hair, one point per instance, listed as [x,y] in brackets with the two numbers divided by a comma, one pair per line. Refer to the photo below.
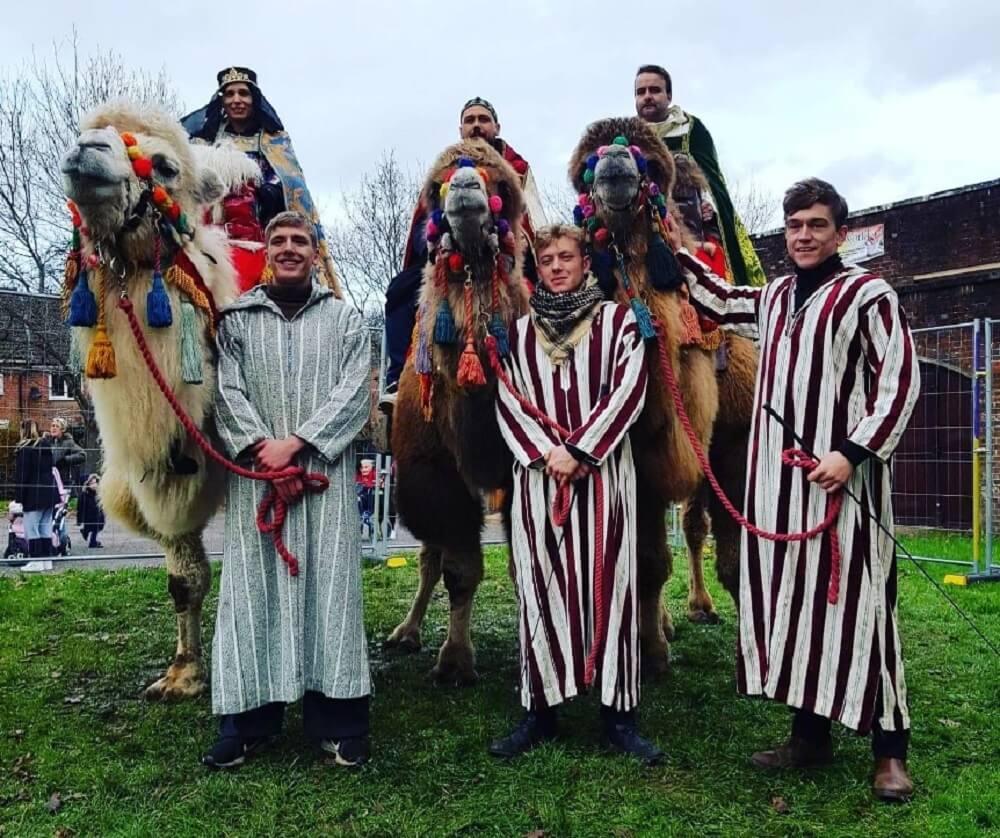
[294,364]
[685,133]
[477,120]
[818,618]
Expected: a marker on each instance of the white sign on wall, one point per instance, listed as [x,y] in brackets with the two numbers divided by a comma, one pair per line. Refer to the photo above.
[863,243]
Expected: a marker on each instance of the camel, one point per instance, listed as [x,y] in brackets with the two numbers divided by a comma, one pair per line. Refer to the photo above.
[445,437]
[139,187]
[624,175]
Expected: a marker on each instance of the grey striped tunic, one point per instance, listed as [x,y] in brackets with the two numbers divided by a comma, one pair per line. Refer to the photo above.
[276,635]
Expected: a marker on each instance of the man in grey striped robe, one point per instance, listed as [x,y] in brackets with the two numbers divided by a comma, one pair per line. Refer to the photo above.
[839,365]
[293,388]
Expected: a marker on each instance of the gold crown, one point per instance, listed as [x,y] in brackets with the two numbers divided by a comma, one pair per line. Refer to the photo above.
[234,75]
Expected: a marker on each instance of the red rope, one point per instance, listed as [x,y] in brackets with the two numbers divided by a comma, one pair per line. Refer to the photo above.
[791,457]
[273,509]
[560,511]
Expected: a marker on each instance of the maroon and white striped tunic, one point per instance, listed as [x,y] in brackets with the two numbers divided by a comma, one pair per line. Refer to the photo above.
[596,393]
[841,367]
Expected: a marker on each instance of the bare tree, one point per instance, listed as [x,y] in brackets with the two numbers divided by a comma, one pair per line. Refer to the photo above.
[41,103]
[558,199]
[368,240]
[756,205]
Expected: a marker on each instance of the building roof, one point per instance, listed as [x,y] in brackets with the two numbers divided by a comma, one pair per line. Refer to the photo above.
[32,331]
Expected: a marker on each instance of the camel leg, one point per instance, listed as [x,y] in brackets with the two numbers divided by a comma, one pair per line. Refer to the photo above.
[406,636]
[701,609]
[655,562]
[456,663]
[190,577]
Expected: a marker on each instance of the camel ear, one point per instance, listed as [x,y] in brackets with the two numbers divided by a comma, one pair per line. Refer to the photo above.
[209,188]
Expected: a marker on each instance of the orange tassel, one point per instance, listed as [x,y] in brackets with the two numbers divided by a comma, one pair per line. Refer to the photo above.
[427,395]
[470,368]
[101,362]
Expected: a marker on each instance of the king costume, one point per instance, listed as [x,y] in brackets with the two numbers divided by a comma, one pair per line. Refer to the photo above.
[299,366]
[838,363]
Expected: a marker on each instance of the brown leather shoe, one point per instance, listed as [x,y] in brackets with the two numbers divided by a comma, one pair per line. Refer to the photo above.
[892,782]
[795,753]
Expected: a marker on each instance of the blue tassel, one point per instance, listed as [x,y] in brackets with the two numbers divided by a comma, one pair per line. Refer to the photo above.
[498,329]
[445,331]
[82,304]
[661,265]
[191,372]
[643,319]
[158,314]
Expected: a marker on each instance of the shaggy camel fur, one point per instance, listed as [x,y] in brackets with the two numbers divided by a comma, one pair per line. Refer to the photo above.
[667,469]
[446,442]
[142,441]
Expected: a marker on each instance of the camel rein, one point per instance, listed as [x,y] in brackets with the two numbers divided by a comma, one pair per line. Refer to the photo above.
[273,509]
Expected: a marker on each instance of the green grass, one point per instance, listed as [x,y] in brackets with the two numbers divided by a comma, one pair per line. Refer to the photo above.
[77,648]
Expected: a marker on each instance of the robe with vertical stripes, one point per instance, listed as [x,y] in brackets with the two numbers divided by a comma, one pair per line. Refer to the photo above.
[596,393]
[841,367]
[277,635]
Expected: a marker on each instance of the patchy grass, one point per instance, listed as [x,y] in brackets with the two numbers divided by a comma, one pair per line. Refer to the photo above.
[77,648]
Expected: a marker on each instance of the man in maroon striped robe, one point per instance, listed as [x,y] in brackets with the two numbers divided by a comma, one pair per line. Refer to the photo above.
[838,363]
[578,361]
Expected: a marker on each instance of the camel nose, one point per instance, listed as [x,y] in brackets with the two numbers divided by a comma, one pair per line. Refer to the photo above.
[95,145]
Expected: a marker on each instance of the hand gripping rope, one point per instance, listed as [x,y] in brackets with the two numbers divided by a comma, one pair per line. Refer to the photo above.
[273,509]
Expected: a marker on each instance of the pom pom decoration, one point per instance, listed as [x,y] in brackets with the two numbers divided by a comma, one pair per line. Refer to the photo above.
[483,174]
[578,215]
[143,167]
[82,304]
[503,227]
[620,140]
[496,203]
[588,176]
[455,262]
[129,139]
[654,190]
[158,313]
[159,195]
[465,163]
[601,237]
[173,212]
[582,199]
[602,150]
[133,152]
[592,161]
[588,211]
[437,217]
[520,166]
[640,164]
[432,230]
[443,191]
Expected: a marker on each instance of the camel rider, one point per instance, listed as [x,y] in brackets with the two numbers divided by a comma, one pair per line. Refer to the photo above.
[239,114]
[575,572]
[478,119]
[685,133]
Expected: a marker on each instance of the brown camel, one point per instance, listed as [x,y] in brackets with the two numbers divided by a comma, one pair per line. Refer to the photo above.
[445,437]
[624,171]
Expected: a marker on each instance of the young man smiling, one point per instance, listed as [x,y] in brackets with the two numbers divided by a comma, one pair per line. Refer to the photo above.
[580,361]
[293,379]
[838,365]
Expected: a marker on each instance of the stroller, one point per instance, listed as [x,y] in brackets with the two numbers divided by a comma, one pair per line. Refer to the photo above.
[61,543]
[17,544]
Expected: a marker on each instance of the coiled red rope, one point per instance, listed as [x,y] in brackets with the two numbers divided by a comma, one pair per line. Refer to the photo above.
[792,457]
[273,509]
[560,511]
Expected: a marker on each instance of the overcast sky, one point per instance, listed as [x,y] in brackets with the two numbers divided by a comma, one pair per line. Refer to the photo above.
[888,100]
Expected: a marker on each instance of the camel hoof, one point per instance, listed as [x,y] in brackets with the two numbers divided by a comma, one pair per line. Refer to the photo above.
[181,682]
[404,640]
[456,666]
[703,618]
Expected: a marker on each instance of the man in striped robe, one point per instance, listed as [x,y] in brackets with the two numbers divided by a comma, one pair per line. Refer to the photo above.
[293,388]
[839,365]
[579,361]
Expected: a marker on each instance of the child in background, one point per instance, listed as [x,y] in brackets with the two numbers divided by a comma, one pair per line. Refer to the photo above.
[89,515]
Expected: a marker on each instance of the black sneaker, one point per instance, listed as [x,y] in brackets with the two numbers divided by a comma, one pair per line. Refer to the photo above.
[534,729]
[350,752]
[231,751]
[621,734]
[388,400]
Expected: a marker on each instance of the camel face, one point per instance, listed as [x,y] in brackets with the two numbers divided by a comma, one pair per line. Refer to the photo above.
[468,210]
[616,180]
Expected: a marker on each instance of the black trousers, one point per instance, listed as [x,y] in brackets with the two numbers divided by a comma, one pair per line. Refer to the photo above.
[400,317]
[322,718]
[885,743]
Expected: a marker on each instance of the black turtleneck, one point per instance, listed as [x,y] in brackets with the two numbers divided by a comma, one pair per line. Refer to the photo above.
[807,280]
[291,299]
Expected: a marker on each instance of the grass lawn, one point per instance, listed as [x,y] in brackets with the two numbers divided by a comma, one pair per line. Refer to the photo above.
[77,648]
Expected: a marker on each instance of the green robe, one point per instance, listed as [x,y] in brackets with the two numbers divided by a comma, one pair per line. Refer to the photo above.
[697,142]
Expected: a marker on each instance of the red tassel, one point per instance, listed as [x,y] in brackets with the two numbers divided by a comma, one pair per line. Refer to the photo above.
[426,395]
[470,368]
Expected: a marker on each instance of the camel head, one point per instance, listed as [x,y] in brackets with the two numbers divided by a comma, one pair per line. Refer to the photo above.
[474,205]
[129,168]
[624,175]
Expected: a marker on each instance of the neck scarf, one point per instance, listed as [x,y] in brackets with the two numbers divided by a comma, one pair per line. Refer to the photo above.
[677,123]
[561,320]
